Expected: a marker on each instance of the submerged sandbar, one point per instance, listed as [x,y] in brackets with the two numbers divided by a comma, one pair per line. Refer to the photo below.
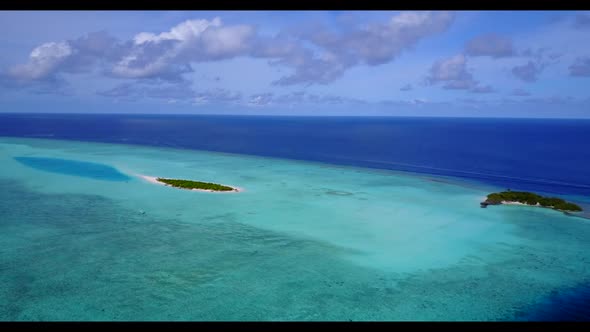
[74,167]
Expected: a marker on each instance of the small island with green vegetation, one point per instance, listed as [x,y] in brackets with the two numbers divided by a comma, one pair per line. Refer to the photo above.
[187,184]
[527,198]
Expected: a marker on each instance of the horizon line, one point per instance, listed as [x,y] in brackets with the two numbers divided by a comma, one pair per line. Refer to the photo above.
[295,115]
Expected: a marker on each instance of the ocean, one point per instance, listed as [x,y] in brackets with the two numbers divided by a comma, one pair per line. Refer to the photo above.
[342,218]
[548,155]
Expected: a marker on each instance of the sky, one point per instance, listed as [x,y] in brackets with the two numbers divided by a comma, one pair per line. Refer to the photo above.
[532,64]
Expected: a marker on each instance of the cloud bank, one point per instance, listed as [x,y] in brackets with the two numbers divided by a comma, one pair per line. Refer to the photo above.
[320,57]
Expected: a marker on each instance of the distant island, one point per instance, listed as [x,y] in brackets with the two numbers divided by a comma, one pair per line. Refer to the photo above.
[188,184]
[527,198]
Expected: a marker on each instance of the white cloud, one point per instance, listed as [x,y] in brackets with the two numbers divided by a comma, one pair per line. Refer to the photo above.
[490,45]
[370,44]
[453,72]
[168,55]
[43,60]
[261,99]
[528,72]
[182,32]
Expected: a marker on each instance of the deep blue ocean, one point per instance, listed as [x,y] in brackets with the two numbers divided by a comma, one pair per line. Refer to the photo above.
[544,155]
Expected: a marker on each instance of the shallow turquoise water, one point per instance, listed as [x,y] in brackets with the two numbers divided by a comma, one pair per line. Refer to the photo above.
[74,167]
[304,241]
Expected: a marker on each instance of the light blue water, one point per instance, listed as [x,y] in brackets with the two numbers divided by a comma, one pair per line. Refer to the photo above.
[304,241]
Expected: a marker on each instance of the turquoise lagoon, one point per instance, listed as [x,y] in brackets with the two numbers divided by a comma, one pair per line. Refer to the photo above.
[72,167]
[83,237]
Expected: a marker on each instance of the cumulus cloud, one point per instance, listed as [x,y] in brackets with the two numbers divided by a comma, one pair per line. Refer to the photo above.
[183,31]
[311,69]
[538,60]
[452,72]
[43,61]
[261,99]
[151,60]
[375,44]
[202,40]
[48,85]
[370,44]
[72,56]
[165,56]
[315,58]
[528,72]
[580,67]
[168,55]
[490,45]
[92,50]
[541,56]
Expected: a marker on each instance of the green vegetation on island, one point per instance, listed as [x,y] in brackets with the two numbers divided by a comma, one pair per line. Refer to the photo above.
[530,199]
[187,184]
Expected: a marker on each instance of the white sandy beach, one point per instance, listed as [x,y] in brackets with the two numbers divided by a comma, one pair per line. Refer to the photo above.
[519,203]
[153,179]
[483,199]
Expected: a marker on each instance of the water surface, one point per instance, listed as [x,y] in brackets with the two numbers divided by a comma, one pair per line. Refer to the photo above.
[74,167]
[304,241]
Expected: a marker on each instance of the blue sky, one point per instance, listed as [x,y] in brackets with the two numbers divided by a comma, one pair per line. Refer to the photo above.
[387,63]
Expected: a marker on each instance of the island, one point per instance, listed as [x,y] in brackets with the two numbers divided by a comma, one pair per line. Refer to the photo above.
[531,199]
[195,185]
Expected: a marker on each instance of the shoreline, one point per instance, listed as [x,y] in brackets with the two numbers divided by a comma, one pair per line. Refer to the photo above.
[569,213]
[525,198]
[153,179]
[396,171]
[519,203]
